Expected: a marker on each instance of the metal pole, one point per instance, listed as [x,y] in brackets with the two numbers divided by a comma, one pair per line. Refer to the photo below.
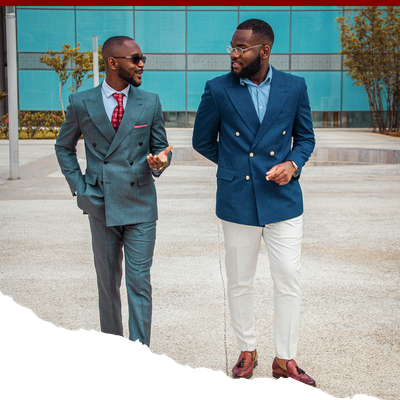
[12,92]
[95,61]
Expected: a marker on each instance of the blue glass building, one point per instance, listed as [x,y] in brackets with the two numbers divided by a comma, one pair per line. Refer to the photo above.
[185,46]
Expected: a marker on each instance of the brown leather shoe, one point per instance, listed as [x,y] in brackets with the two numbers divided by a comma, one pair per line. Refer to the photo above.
[292,371]
[247,361]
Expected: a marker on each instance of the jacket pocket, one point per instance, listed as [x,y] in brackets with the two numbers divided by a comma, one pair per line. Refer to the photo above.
[90,178]
[139,131]
[225,174]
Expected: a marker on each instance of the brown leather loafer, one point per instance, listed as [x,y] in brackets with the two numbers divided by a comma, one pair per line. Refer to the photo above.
[247,361]
[292,371]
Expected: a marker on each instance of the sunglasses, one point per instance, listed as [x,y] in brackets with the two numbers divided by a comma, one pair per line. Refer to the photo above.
[135,58]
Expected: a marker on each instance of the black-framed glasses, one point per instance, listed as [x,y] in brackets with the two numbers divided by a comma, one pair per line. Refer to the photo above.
[135,58]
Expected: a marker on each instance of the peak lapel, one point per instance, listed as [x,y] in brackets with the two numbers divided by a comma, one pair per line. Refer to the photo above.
[277,99]
[98,115]
[134,107]
[241,100]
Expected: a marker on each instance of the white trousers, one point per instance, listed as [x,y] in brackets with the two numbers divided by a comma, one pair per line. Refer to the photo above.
[242,245]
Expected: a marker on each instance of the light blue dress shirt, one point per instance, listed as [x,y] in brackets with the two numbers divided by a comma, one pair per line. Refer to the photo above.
[109,102]
[260,96]
[259,93]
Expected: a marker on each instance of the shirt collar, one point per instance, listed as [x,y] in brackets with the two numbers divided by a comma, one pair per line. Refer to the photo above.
[109,91]
[268,79]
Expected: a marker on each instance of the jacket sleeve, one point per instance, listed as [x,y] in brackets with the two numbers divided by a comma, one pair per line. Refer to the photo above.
[65,148]
[303,132]
[206,126]
[158,139]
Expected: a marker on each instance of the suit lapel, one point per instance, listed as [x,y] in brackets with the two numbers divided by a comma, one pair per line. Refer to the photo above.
[98,115]
[134,108]
[241,100]
[277,99]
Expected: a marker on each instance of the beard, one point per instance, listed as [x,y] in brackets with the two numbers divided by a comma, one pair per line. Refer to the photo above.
[123,74]
[250,70]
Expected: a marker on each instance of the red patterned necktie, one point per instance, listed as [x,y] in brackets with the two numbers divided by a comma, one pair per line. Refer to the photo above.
[118,111]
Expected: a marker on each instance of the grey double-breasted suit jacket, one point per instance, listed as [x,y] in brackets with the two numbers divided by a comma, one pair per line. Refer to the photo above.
[118,183]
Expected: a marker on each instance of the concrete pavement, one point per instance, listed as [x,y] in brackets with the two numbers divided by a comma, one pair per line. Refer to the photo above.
[350,323]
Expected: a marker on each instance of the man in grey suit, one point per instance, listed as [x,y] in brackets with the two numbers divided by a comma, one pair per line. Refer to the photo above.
[126,146]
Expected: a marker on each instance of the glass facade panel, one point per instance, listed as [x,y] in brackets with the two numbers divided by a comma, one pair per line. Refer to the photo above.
[265,8]
[355,98]
[315,32]
[323,90]
[39,30]
[38,90]
[309,8]
[216,30]
[160,31]
[105,7]
[195,86]
[280,24]
[103,25]
[48,7]
[170,86]
[160,7]
[212,8]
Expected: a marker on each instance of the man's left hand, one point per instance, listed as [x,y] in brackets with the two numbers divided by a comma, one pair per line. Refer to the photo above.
[160,160]
[281,173]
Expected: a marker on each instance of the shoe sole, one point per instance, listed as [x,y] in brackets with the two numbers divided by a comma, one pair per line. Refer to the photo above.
[277,376]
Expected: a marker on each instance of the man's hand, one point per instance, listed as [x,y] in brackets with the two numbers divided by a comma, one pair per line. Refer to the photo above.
[281,173]
[160,160]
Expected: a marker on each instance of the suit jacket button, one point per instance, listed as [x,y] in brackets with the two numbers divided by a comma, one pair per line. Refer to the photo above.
[131,163]
[251,154]
[237,134]
[132,183]
[272,153]
[105,162]
[283,132]
[94,144]
[247,177]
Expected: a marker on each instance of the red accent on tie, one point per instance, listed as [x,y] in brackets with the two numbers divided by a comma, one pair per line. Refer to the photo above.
[118,111]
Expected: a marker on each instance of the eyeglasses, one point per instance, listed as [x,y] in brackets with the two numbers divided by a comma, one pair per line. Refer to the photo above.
[239,50]
[135,58]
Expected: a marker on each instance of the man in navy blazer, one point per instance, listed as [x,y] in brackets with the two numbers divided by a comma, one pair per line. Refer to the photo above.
[255,124]
[117,190]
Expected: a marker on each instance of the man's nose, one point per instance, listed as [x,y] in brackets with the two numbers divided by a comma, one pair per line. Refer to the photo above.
[234,55]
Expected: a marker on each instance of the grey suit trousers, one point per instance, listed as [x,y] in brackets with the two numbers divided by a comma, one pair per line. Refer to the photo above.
[110,244]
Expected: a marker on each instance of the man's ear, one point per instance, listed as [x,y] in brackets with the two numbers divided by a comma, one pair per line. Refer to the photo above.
[112,63]
[266,51]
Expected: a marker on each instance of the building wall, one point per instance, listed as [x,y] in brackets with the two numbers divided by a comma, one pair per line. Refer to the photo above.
[185,46]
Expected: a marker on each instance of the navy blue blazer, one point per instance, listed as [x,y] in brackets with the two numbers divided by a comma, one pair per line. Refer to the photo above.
[227,131]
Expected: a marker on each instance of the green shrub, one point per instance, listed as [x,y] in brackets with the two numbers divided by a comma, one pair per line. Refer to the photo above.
[34,124]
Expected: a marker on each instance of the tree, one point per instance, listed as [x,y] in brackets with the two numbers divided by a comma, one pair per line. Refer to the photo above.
[370,41]
[83,65]
[60,66]
[81,62]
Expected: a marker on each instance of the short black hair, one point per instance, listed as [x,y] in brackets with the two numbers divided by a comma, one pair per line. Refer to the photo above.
[110,43]
[259,27]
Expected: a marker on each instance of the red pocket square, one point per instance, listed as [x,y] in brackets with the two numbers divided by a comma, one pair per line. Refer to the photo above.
[139,126]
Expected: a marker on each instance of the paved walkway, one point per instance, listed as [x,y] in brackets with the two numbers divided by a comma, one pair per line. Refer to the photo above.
[349,330]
